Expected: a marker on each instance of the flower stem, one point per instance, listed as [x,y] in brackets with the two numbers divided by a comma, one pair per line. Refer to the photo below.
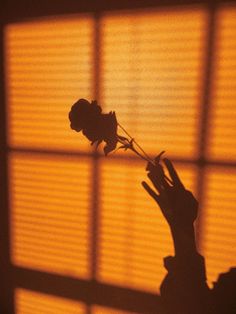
[134,150]
[145,154]
[145,157]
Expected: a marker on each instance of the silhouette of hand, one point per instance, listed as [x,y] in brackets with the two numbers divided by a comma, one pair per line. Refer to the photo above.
[178,205]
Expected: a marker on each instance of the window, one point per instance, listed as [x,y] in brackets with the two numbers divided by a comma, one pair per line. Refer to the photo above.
[34,302]
[81,221]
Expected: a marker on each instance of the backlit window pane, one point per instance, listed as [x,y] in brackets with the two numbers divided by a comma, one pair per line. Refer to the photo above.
[223,131]
[219,228]
[30,302]
[150,70]
[134,237]
[151,74]
[50,202]
[106,310]
[49,66]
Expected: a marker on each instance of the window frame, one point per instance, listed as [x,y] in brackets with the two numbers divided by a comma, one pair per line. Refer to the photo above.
[90,292]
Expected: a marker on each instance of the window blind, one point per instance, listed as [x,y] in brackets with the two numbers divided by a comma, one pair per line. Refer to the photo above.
[49,65]
[31,302]
[106,310]
[151,74]
[222,127]
[50,199]
[219,221]
[219,237]
[152,66]
[134,237]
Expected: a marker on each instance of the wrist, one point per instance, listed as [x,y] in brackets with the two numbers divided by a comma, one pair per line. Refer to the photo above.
[180,230]
[184,240]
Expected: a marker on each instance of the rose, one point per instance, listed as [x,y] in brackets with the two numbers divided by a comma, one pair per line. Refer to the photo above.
[96,126]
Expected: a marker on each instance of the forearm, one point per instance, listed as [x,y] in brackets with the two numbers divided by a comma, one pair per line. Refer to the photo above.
[184,240]
[184,289]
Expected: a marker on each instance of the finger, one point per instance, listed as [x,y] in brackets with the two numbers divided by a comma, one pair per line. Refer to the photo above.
[163,179]
[156,182]
[156,197]
[173,174]
[150,166]
[158,157]
[157,169]
[151,192]
[159,179]
[166,183]
[168,180]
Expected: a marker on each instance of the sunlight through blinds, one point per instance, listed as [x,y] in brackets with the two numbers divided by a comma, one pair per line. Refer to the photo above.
[222,127]
[49,66]
[152,70]
[30,302]
[134,237]
[106,310]
[219,228]
[151,74]
[219,223]
[50,199]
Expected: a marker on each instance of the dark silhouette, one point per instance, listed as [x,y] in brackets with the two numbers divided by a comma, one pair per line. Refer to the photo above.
[100,127]
[184,289]
[95,125]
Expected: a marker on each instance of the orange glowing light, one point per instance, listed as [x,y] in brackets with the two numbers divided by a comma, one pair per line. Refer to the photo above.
[152,65]
[31,302]
[151,75]
[134,237]
[49,66]
[222,129]
[50,199]
[105,310]
[219,221]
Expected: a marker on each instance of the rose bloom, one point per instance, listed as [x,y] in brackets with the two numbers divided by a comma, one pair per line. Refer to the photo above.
[96,126]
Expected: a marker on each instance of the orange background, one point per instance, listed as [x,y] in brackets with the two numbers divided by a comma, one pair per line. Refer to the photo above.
[151,67]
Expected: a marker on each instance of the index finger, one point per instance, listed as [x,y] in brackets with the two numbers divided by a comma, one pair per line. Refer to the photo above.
[173,174]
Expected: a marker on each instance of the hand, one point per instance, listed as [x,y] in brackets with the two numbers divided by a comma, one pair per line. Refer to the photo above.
[178,205]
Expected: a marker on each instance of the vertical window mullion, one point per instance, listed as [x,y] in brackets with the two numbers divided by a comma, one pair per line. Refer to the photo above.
[6,284]
[95,156]
[208,65]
